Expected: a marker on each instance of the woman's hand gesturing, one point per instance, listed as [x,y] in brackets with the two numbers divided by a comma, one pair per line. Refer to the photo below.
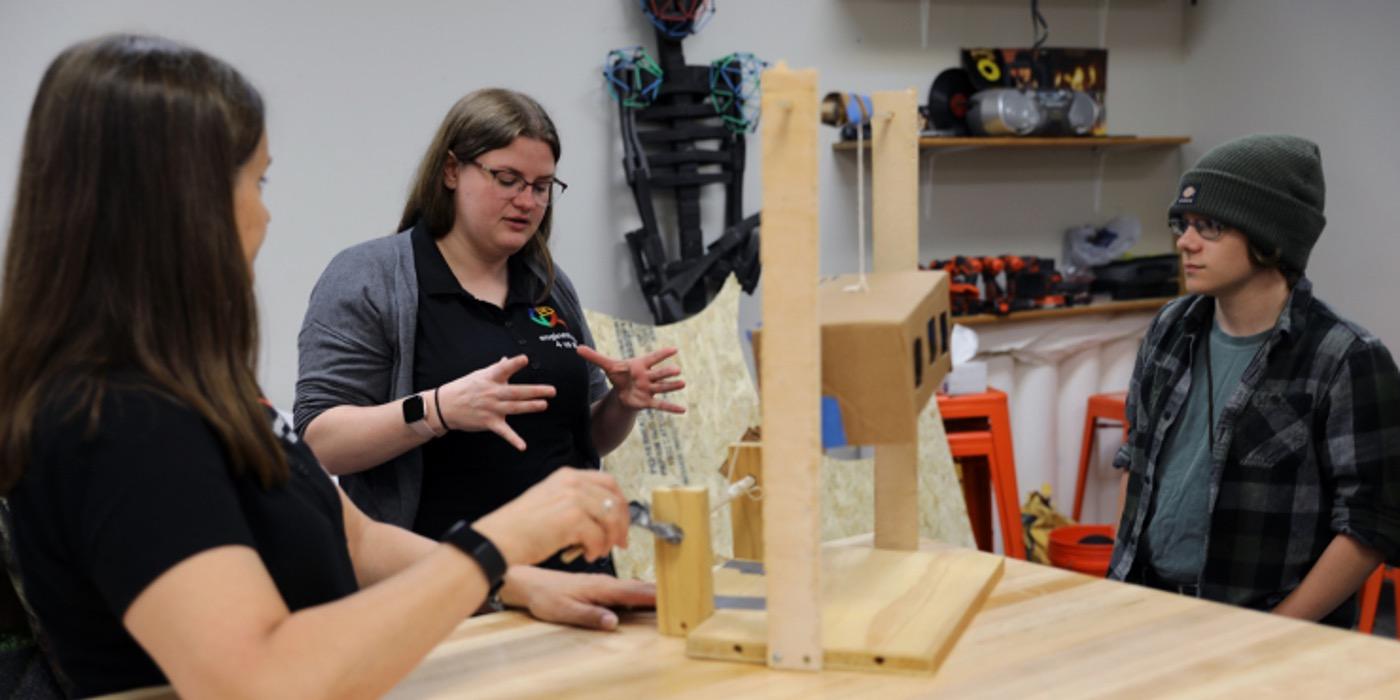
[637,381]
[482,400]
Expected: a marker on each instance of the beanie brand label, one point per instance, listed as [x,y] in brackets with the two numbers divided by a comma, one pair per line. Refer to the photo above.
[1188,194]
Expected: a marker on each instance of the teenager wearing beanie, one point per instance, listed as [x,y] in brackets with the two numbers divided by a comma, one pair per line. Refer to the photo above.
[1263,463]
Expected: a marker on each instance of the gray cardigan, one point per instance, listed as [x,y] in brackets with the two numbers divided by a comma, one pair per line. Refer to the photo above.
[356,348]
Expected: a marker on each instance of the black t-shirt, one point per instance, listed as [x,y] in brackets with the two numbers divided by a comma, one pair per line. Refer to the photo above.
[99,516]
[469,474]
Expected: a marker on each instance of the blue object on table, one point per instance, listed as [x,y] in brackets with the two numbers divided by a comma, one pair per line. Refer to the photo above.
[833,430]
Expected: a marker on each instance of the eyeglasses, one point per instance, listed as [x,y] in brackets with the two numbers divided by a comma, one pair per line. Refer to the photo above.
[510,184]
[1208,229]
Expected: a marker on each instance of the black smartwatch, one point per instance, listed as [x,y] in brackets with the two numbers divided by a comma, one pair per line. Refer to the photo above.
[481,550]
[415,415]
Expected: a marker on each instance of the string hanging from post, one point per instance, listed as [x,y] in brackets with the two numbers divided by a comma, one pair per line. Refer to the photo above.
[854,111]
[885,118]
[860,285]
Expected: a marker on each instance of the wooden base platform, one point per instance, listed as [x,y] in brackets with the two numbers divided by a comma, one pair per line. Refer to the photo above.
[881,610]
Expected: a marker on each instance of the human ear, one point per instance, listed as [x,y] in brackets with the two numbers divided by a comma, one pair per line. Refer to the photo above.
[450,168]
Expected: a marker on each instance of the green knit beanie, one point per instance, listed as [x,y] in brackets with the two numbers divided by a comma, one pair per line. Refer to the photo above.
[1270,187]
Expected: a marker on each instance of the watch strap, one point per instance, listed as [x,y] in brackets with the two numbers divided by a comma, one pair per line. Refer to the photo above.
[481,550]
[423,429]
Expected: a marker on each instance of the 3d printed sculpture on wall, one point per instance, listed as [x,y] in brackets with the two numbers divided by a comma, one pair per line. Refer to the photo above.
[683,129]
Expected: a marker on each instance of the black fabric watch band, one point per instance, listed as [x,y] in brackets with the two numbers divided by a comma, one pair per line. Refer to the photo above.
[481,550]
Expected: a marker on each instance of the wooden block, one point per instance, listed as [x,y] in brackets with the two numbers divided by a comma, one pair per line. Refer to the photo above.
[791,368]
[897,496]
[685,595]
[894,181]
[746,514]
[881,610]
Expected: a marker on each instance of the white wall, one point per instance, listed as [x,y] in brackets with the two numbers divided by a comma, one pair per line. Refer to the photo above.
[1324,71]
[355,90]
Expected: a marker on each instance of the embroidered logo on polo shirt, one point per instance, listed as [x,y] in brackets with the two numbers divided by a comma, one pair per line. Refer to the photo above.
[1188,194]
[547,317]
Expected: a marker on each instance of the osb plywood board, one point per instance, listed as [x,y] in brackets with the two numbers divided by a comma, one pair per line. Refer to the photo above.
[881,610]
[721,403]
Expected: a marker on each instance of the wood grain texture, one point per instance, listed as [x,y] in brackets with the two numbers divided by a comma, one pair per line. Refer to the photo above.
[791,367]
[881,610]
[685,595]
[897,494]
[746,514]
[894,181]
[1043,632]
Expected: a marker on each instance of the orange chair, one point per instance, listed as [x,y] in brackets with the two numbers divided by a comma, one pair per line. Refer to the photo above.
[1110,407]
[1371,598]
[973,451]
[994,443]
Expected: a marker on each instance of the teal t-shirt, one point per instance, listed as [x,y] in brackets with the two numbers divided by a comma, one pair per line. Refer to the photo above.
[1176,533]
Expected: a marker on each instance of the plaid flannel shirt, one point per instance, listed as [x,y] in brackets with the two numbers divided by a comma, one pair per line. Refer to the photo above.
[1307,447]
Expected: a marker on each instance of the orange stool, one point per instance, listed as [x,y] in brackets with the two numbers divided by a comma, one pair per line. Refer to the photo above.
[1112,407]
[994,443]
[973,449]
[1371,598]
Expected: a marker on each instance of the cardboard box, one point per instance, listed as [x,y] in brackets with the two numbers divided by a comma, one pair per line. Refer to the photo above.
[884,351]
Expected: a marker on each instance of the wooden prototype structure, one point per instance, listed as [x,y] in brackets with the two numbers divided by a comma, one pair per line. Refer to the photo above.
[878,344]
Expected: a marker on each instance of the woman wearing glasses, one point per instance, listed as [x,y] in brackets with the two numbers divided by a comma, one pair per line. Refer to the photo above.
[446,369]
[167,526]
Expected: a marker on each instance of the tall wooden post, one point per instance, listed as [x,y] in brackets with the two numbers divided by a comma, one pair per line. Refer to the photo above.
[790,392]
[894,163]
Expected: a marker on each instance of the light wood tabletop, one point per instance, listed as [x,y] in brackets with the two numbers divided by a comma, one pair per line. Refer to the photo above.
[1044,632]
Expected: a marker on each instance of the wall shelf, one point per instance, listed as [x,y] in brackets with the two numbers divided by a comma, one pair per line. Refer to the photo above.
[950,143]
[1108,307]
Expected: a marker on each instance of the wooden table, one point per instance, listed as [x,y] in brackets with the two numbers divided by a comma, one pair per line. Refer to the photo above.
[1044,632]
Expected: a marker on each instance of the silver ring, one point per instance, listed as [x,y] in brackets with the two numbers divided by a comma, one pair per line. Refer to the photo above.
[608,504]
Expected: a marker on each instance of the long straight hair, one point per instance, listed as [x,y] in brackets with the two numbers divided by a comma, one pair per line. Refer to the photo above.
[482,121]
[123,254]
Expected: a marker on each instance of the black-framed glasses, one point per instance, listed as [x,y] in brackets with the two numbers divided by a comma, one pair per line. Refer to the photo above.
[1209,229]
[510,183]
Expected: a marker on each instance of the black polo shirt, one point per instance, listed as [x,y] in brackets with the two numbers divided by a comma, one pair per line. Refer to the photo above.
[102,512]
[469,474]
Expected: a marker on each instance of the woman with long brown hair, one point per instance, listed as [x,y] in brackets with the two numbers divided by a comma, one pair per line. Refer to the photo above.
[446,369]
[167,526]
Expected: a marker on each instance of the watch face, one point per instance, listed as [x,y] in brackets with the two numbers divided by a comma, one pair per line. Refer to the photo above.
[413,409]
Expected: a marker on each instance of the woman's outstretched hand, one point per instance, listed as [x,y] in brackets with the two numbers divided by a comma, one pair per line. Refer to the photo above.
[582,600]
[638,382]
[482,400]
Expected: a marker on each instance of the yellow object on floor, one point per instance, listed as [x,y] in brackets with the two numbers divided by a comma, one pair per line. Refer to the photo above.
[1038,518]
